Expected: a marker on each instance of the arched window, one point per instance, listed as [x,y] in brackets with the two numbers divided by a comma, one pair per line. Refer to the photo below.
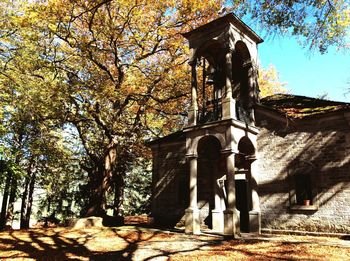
[302,193]
[211,81]
[241,67]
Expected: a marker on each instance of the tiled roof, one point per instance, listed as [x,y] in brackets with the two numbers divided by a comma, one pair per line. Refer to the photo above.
[176,136]
[296,106]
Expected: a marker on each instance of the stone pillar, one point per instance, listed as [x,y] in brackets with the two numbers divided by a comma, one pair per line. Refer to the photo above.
[193,111]
[228,103]
[217,212]
[192,224]
[251,86]
[253,90]
[256,82]
[231,215]
[255,213]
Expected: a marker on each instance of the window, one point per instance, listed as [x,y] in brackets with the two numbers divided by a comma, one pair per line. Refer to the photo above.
[302,193]
[303,189]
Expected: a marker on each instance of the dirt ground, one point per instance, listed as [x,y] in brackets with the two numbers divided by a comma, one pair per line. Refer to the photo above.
[134,242]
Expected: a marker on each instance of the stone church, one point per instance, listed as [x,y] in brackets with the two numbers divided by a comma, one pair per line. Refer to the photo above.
[242,164]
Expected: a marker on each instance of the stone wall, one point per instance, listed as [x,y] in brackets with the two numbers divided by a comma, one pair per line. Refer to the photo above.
[170,182]
[318,147]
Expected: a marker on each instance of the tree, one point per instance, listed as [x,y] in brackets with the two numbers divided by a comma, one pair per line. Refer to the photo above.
[30,114]
[34,152]
[115,70]
[319,23]
[269,82]
[138,189]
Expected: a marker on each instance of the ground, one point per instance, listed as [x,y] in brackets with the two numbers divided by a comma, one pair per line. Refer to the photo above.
[136,242]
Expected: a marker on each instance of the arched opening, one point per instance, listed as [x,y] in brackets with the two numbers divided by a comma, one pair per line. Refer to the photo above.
[208,172]
[241,70]
[211,81]
[243,181]
[302,178]
[246,147]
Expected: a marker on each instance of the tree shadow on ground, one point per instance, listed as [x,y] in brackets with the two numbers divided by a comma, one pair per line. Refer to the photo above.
[42,244]
[346,237]
[137,243]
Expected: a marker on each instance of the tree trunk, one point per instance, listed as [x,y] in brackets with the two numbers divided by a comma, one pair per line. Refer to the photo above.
[25,196]
[30,200]
[48,205]
[4,201]
[24,204]
[100,184]
[119,185]
[59,205]
[97,197]
[12,199]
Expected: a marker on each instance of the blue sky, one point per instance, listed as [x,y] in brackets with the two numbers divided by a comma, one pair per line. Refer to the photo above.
[306,73]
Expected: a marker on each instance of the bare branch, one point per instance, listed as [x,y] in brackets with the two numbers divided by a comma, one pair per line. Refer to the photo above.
[100,65]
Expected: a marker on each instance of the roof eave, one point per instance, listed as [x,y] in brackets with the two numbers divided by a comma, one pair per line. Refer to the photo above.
[230,17]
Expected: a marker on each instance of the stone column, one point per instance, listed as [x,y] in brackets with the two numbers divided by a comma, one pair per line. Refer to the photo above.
[231,215]
[255,213]
[192,224]
[253,89]
[217,212]
[256,82]
[228,103]
[193,112]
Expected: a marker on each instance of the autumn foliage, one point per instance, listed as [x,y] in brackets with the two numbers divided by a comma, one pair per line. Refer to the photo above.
[83,85]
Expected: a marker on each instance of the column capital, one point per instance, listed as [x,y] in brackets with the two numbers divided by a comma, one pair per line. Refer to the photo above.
[229,152]
[193,56]
[250,158]
[255,66]
[191,156]
[229,48]
[248,64]
[229,51]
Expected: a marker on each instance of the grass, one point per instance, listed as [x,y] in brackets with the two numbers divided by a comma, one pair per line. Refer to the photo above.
[136,243]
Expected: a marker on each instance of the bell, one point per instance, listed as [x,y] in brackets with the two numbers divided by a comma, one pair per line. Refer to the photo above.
[210,79]
[210,75]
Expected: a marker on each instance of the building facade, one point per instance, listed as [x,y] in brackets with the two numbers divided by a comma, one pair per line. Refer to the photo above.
[304,164]
[242,164]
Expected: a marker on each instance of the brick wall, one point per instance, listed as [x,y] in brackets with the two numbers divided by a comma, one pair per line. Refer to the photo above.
[170,182]
[319,148]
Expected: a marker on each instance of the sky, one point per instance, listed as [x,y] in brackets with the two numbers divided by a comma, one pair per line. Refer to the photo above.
[308,74]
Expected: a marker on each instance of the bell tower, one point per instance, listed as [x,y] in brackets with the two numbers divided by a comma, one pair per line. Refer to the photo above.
[224,90]
[223,63]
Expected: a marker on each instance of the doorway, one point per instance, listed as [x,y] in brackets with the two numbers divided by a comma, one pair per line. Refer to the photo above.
[208,171]
[243,182]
